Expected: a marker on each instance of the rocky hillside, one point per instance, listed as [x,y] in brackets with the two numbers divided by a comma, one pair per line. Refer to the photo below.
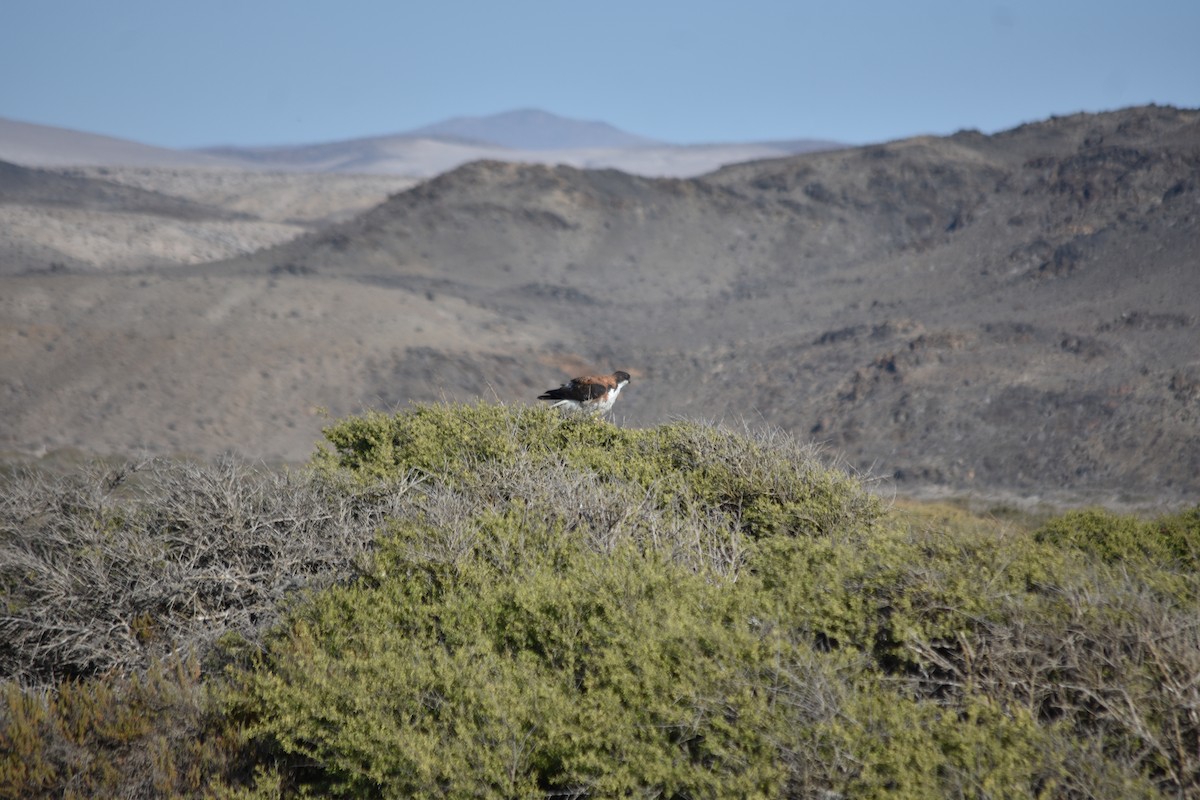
[1016,310]
[995,314]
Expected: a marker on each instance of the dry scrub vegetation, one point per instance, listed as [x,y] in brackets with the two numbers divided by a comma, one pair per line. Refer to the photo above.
[483,601]
[113,568]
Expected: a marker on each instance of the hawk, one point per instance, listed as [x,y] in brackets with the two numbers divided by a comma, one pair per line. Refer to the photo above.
[595,393]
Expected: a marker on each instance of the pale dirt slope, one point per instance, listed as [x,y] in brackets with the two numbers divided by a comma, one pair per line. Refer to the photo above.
[113,219]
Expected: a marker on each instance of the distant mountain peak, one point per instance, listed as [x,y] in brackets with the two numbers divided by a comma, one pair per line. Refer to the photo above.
[533,129]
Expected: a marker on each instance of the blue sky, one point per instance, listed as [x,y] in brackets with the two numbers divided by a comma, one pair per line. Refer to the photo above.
[190,73]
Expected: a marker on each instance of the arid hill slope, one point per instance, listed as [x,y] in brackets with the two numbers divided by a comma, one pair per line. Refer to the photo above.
[996,314]
[116,219]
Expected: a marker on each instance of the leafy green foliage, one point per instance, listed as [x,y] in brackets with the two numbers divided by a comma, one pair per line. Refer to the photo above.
[769,483]
[970,614]
[534,665]
[1169,540]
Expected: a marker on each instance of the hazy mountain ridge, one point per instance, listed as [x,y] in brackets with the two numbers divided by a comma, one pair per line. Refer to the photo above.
[1009,313]
[533,129]
[29,144]
[528,135]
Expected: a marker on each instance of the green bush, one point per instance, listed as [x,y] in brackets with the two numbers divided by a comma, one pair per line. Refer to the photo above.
[1114,538]
[769,483]
[875,657]
[570,598]
[534,666]
[1100,655]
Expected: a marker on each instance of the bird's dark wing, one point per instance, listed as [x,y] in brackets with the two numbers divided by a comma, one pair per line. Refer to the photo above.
[580,390]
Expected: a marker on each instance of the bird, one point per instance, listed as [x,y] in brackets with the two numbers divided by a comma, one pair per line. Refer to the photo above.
[594,393]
